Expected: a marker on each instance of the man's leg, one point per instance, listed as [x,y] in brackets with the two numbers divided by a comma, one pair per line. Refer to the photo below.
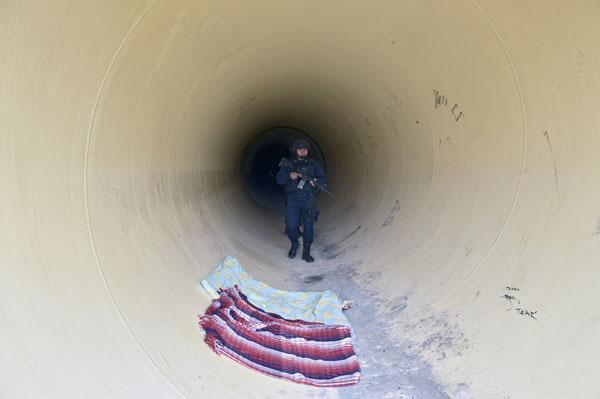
[292,221]
[308,220]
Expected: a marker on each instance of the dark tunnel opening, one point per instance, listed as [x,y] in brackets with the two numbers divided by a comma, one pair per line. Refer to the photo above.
[260,162]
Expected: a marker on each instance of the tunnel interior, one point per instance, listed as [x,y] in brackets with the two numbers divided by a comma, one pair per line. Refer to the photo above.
[460,139]
[260,164]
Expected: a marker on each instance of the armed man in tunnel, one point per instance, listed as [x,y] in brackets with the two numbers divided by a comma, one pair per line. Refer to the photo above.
[301,178]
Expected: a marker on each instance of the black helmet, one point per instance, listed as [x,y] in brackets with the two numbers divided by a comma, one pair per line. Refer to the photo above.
[300,143]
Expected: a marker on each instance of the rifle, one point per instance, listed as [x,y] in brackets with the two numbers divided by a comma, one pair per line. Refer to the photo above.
[304,176]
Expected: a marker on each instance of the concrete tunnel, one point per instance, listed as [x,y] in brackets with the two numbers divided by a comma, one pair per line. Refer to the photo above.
[462,144]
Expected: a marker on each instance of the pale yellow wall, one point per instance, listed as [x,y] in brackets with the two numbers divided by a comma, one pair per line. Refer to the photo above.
[121,129]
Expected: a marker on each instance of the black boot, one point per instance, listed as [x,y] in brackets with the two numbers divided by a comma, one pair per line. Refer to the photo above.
[306,253]
[293,249]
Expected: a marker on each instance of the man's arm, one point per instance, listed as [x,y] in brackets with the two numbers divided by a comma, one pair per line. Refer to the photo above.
[283,175]
[320,174]
[286,172]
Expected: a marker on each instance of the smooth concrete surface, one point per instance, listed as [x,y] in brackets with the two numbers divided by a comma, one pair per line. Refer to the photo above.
[463,145]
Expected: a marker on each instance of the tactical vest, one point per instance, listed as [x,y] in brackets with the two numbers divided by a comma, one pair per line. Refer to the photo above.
[307,168]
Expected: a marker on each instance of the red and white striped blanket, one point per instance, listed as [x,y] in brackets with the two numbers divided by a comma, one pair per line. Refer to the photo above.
[303,352]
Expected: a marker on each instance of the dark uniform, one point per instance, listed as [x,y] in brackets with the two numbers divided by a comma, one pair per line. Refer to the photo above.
[300,199]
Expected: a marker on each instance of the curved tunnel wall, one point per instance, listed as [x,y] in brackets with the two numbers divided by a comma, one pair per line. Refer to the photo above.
[462,145]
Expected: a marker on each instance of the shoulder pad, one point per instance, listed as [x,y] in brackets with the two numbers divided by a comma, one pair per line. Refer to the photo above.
[285,163]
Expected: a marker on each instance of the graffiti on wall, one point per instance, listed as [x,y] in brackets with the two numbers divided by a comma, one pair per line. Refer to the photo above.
[440,100]
[511,296]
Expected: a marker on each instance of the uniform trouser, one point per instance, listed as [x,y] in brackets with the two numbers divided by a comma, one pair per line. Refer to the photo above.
[300,207]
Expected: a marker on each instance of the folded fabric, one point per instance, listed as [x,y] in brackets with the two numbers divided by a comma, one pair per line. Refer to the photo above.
[303,352]
[317,306]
